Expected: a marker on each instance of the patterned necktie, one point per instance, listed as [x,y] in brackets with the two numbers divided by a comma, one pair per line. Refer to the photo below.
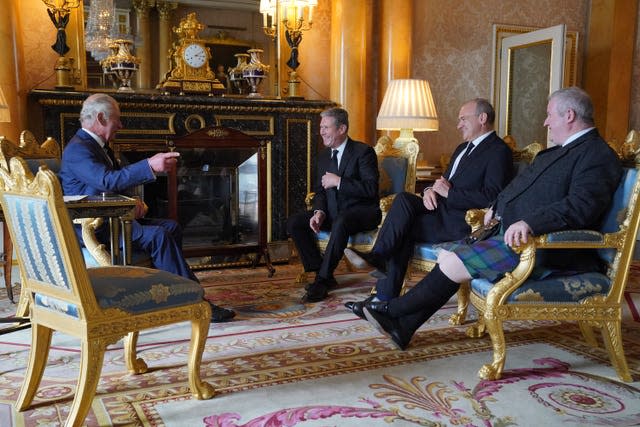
[111,156]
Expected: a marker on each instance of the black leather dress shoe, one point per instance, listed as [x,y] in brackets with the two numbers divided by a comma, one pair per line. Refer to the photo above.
[357,307]
[388,326]
[315,293]
[330,283]
[363,260]
[378,306]
[219,314]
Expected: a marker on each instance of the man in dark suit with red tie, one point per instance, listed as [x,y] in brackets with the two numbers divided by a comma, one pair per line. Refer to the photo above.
[479,169]
[90,168]
[346,201]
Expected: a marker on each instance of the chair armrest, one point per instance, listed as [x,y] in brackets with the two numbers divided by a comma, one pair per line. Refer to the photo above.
[95,248]
[308,200]
[385,203]
[475,218]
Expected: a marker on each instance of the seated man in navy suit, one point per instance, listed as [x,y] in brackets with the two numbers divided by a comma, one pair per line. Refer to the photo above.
[479,169]
[90,168]
[568,186]
[346,201]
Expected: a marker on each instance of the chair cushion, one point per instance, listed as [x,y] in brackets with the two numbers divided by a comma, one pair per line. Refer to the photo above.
[552,289]
[52,163]
[426,251]
[615,214]
[393,173]
[141,289]
[362,238]
[133,289]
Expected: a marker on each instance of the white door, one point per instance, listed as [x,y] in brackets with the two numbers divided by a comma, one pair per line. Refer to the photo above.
[531,68]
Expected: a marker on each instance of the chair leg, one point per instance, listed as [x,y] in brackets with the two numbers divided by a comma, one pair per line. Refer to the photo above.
[40,343]
[135,365]
[612,336]
[22,310]
[477,329]
[8,260]
[201,390]
[493,371]
[587,334]
[301,278]
[460,316]
[91,359]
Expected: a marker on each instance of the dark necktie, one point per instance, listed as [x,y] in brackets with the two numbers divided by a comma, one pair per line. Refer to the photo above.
[334,161]
[469,149]
[463,158]
[332,193]
[111,156]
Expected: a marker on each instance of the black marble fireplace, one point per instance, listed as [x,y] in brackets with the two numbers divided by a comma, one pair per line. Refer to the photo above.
[287,129]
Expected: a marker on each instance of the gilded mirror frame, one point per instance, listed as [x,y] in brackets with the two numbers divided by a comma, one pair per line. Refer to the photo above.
[502,31]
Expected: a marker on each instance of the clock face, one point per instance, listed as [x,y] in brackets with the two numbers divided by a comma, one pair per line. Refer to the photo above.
[194,55]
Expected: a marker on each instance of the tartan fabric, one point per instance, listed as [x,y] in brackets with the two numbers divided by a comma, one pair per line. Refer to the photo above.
[488,259]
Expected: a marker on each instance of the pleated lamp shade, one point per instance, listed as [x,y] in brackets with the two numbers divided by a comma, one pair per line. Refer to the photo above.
[408,104]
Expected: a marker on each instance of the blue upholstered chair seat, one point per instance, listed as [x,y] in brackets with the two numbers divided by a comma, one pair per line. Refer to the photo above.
[134,290]
[555,289]
[364,238]
[426,251]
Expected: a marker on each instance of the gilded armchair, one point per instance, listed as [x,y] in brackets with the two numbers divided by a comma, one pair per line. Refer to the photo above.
[34,154]
[397,166]
[425,254]
[99,306]
[591,299]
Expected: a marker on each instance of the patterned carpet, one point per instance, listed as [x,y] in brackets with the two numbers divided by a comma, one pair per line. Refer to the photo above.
[282,363]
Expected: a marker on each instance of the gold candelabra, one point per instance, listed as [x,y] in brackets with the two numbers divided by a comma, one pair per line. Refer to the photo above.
[292,15]
[59,11]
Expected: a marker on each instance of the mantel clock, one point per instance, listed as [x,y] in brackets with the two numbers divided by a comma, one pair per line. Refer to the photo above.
[190,72]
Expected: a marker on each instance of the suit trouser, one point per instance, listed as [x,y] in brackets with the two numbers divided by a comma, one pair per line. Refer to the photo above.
[406,223]
[349,221]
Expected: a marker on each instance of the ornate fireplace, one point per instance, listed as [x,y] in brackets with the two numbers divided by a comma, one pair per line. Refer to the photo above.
[287,132]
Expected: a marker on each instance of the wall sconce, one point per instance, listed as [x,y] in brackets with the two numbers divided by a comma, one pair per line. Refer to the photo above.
[407,106]
[59,11]
[292,15]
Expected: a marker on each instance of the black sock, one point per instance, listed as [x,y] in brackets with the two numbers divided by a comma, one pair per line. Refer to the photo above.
[426,297]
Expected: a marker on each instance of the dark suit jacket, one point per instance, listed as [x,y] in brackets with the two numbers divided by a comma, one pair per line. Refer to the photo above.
[476,183]
[564,188]
[86,169]
[359,178]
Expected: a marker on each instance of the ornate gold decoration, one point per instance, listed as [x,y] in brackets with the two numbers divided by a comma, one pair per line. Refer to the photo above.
[217,133]
[191,72]
[59,11]
[121,64]
[94,326]
[603,311]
